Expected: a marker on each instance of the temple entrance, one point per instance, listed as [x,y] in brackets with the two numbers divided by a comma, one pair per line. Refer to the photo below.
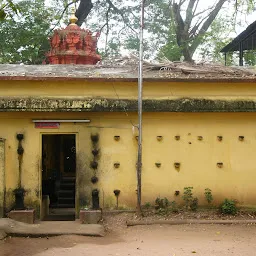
[59,176]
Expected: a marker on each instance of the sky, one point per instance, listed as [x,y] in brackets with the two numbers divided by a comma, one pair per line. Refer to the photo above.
[242,20]
[245,20]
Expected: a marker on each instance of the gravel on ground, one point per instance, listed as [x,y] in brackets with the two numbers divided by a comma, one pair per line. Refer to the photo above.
[162,240]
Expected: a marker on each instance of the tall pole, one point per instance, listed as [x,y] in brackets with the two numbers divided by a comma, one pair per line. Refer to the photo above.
[140,86]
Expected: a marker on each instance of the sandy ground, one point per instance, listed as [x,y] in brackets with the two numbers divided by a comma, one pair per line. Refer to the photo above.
[154,240]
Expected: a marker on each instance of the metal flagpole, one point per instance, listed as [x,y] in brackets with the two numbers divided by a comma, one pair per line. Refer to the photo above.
[140,86]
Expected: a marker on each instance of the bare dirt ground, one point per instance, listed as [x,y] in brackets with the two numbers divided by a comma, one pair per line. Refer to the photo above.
[162,240]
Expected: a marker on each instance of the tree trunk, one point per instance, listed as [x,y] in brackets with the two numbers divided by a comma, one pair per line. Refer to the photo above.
[182,35]
[187,54]
[189,43]
[83,11]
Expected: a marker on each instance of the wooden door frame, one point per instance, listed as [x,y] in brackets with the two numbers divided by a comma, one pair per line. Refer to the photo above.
[40,163]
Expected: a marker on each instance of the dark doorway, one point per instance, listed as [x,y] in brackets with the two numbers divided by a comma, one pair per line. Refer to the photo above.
[59,175]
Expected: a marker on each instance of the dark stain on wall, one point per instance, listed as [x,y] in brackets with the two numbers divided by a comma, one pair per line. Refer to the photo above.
[84,174]
[30,201]
[113,105]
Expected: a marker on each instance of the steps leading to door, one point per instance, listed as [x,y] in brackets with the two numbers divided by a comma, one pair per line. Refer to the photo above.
[60,214]
[66,194]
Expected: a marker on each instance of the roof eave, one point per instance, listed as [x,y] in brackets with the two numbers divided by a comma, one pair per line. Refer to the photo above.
[134,79]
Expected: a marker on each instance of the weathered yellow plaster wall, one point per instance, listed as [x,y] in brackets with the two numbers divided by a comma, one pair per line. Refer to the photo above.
[198,159]
[13,123]
[128,90]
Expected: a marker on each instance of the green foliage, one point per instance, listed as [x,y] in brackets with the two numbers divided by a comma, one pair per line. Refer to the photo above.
[8,8]
[162,202]
[133,44]
[250,57]
[147,205]
[208,195]
[215,39]
[220,34]
[161,205]
[161,30]
[170,50]
[194,204]
[164,206]
[188,196]
[190,201]
[24,37]
[174,207]
[228,207]
[25,27]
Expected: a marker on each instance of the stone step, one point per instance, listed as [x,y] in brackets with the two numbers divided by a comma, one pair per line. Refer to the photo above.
[59,217]
[63,200]
[67,186]
[65,206]
[71,179]
[67,182]
[67,193]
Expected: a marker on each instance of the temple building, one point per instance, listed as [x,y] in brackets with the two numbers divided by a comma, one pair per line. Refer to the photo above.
[73,45]
[68,133]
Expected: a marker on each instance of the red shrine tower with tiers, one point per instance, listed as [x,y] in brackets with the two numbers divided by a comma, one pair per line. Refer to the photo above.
[73,45]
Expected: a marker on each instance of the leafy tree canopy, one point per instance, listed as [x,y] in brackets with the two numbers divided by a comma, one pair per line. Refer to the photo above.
[24,37]
[174,29]
[8,8]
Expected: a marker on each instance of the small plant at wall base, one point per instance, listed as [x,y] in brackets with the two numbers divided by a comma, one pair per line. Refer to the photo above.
[190,201]
[174,207]
[208,195]
[228,207]
[161,203]
[163,206]
[84,207]
[194,204]
[147,205]
[188,196]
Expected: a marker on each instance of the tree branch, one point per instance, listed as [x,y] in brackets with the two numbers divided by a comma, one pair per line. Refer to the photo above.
[111,5]
[102,27]
[206,25]
[83,11]
[179,22]
[189,14]
[193,31]
[203,11]
[194,12]
[58,22]
[107,32]
[181,2]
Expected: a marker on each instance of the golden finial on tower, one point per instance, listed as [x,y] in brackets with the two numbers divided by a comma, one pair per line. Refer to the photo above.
[73,19]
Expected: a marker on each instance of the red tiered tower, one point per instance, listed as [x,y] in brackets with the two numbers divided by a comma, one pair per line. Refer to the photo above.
[73,45]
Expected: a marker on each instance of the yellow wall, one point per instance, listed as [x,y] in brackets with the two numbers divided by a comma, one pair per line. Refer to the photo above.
[109,178]
[198,160]
[128,90]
